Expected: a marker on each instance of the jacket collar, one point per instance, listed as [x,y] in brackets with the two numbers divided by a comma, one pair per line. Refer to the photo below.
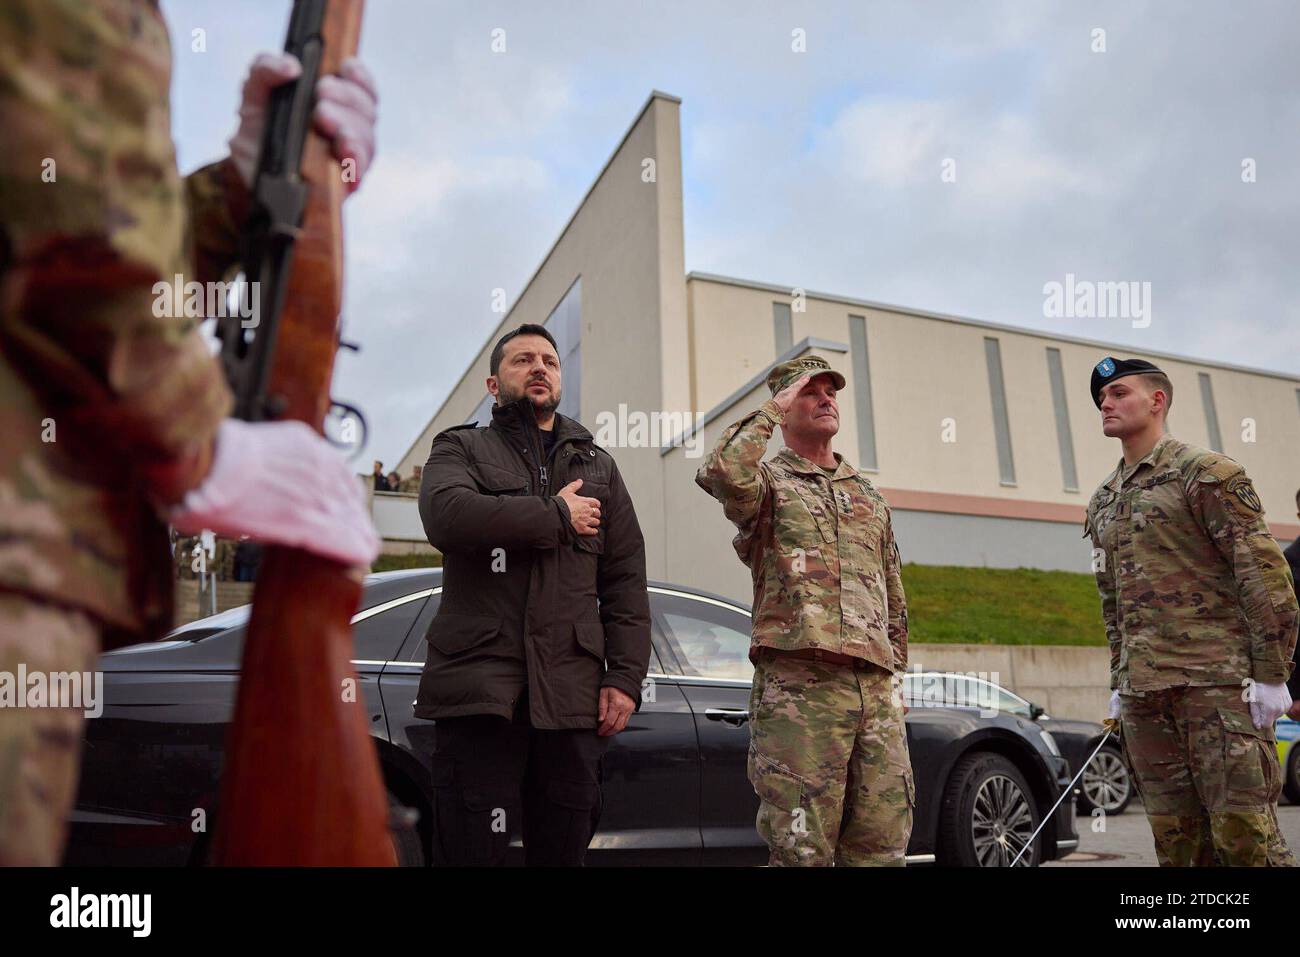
[514,418]
[1153,458]
[797,463]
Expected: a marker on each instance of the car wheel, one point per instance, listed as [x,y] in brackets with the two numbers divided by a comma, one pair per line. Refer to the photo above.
[405,833]
[1291,775]
[988,815]
[1105,784]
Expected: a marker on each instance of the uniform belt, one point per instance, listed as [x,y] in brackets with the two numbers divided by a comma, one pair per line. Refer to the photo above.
[817,654]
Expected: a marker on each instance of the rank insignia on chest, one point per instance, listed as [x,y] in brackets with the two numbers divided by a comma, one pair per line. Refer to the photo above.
[844,500]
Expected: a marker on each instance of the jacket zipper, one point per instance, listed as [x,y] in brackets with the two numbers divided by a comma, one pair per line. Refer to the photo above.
[531,429]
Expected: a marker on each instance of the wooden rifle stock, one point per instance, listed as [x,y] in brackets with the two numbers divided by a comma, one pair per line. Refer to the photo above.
[301,783]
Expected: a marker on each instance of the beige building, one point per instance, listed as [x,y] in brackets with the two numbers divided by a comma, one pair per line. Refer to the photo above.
[982,437]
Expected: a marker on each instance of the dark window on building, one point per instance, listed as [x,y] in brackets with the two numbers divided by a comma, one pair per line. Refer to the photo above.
[862,392]
[1064,439]
[1211,414]
[783,327]
[482,413]
[565,324]
[1001,425]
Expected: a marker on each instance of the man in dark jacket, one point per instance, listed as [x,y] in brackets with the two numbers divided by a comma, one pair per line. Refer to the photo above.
[542,639]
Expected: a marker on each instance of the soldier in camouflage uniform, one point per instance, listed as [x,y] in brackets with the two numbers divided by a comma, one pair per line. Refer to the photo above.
[828,751]
[411,485]
[1201,621]
[110,414]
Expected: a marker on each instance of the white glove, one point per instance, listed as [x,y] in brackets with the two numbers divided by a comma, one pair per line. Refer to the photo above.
[281,483]
[1269,703]
[1114,705]
[346,109]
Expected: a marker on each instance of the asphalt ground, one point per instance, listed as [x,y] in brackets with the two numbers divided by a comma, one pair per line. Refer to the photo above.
[1126,840]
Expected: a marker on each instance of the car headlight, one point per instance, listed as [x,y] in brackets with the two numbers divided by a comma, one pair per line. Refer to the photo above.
[1050,742]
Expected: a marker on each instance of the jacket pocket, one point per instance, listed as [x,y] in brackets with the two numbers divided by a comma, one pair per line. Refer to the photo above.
[494,480]
[591,544]
[1246,753]
[591,637]
[454,634]
[774,784]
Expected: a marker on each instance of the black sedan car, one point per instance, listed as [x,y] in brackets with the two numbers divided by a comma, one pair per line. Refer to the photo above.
[675,784]
[1105,785]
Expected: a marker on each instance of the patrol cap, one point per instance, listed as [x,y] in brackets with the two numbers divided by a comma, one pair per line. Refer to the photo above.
[1109,369]
[787,372]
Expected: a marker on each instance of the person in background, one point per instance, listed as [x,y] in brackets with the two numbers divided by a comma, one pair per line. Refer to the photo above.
[1292,554]
[412,485]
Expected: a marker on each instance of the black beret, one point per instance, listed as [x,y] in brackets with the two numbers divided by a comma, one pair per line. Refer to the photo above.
[1109,369]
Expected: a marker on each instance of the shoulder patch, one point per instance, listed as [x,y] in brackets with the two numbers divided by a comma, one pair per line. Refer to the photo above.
[1241,487]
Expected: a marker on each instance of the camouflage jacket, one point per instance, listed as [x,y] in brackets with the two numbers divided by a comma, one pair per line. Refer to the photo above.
[820,547]
[107,410]
[1194,590]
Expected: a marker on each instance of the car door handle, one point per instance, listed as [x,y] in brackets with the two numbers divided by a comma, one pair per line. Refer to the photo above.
[732,716]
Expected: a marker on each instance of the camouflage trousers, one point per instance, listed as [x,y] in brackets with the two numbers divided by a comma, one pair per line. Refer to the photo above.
[40,747]
[828,759]
[1208,777]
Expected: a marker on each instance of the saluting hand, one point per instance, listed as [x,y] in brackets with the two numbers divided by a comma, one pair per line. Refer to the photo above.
[584,512]
[785,398]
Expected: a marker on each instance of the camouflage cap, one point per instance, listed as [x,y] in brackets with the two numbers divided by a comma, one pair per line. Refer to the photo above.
[787,372]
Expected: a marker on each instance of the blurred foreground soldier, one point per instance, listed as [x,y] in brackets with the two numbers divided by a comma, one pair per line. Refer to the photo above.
[542,640]
[828,754]
[1201,621]
[112,421]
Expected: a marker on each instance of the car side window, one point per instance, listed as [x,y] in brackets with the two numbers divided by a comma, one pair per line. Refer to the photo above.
[709,640]
[378,637]
[416,648]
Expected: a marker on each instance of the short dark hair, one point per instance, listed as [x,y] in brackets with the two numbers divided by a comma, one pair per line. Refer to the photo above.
[527,329]
[1158,380]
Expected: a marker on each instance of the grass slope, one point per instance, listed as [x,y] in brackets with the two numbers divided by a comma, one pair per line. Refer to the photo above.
[1003,606]
[1000,606]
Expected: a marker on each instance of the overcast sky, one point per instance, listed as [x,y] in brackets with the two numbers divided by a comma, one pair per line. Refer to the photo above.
[819,169]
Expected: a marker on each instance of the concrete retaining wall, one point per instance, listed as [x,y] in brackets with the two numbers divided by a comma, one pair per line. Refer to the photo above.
[1068,680]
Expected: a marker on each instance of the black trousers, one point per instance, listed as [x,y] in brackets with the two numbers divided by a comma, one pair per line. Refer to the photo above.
[494,778]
